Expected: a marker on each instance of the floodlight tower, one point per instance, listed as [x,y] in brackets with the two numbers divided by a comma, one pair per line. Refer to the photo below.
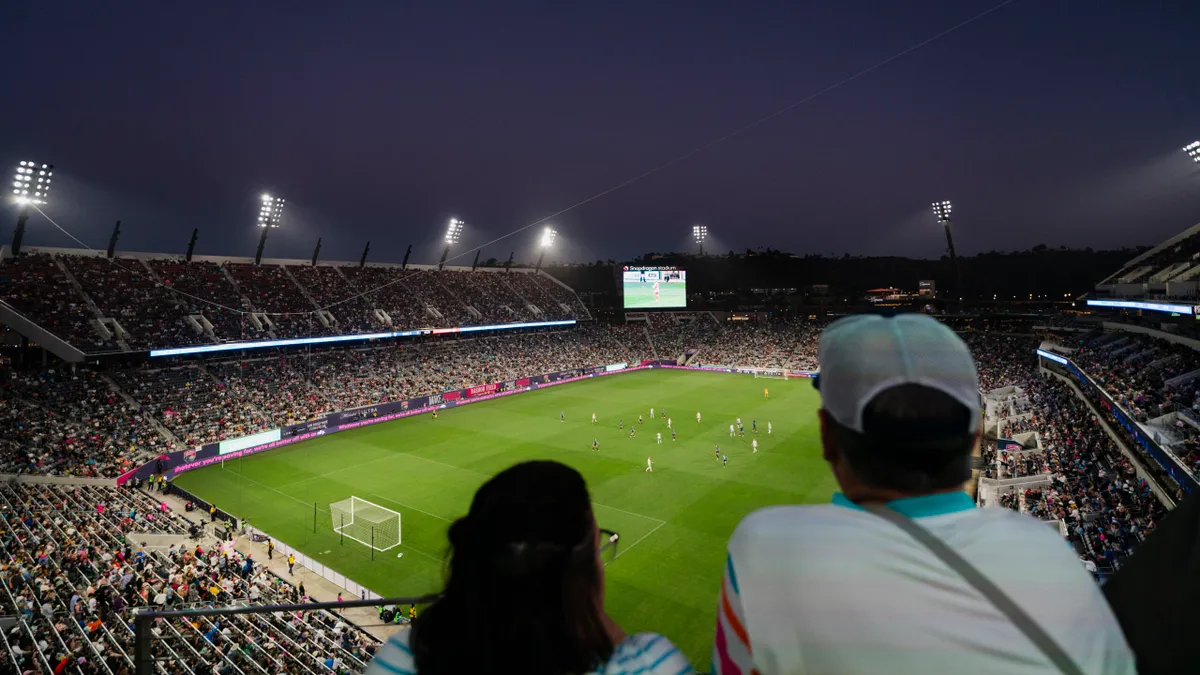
[548,236]
[1193,150]
[942,211]
[30,187]
[270,212]
[453,233]
[700,233]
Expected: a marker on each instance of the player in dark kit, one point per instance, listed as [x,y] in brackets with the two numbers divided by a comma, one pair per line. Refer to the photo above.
[595,444]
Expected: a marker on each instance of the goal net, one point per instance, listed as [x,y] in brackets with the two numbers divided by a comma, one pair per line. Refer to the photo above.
[770,373]
[367,523]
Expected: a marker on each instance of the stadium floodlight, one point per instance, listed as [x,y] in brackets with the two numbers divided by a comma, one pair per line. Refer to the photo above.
[31,182]
[700,233]
[30,187]
[942,211]
[549,234]
[453,233]
[1193,150]
[270,213]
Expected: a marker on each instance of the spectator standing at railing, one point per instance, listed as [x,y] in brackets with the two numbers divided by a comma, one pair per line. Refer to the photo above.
[525,591]
[887,589]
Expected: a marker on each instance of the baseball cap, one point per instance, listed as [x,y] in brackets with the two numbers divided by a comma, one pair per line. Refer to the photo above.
[866,354]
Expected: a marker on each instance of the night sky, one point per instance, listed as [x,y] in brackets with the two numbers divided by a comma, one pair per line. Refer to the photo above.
[1047,121]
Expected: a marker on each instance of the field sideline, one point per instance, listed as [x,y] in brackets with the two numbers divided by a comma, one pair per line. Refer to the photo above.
[673,523]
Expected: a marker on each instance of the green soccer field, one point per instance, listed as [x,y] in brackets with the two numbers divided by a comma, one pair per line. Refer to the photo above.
[674,523]
[641,296]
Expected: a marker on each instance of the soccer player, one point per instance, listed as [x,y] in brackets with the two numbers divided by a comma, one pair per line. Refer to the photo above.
[672,434]
[659,437]
[622,426]
[651,413]
[668,422]
[754,444]
[649,465]
[435,414]
[739,421]
[731,431]
[697,418]
[595,444]
[766,394]
[593,418]
[768,427]
[741,429]
[724,461]
[632,432]
[656,291]
[662,412]
[639,419]
[754,425]
[562,416]
[717,451]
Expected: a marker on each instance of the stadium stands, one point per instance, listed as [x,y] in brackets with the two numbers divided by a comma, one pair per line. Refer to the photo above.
[73,570]
[135,303]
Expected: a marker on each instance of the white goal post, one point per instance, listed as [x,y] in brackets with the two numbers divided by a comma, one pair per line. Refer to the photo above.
[769,373]
[367,523]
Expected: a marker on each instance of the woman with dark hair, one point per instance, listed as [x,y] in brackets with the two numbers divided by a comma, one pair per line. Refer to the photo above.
[525,591]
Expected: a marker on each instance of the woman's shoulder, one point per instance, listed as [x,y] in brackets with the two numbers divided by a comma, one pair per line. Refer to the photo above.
[394,658]
[646,654]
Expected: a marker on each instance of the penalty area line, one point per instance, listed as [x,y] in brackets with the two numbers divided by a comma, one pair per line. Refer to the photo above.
[621,553]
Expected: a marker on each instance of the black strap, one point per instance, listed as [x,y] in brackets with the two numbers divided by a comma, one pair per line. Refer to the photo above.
[1019,617]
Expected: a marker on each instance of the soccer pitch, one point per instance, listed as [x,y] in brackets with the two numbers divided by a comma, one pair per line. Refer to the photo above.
[641,296]
[674,523]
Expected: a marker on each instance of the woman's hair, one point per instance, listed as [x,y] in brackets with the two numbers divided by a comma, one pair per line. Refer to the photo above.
[523,591]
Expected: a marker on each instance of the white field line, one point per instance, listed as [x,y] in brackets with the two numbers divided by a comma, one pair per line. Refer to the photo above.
[621,553]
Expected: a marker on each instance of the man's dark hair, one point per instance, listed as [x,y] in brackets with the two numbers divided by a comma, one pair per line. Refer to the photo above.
[916,440]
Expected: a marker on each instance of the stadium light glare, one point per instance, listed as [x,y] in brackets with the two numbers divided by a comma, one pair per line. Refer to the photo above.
[548,235]
[700,233]
[271,211]
[1193,150]
[25,189]
[942,211]
[454,231]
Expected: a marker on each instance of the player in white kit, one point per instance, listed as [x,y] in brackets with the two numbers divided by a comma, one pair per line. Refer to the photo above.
[731,431]
[768,427]
[659,436]
[668,422]
[649,465]
[697,418]
[652,413]
[754,445]
[593,418]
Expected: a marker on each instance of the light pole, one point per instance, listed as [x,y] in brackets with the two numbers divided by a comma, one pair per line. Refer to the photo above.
[1193,150]
[548,236]
[30,187]
[942,211]
[453,233]
[270,212]
[700,233]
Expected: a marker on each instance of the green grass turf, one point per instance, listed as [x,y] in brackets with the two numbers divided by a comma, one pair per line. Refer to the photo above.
[639,295]
[674,523]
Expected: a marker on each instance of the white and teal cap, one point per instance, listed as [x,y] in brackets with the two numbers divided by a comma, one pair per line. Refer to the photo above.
[866,354]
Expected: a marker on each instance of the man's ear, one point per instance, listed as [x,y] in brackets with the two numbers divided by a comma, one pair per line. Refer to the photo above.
[829,449]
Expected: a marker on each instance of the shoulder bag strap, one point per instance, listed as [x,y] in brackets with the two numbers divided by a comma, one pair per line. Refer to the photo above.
[1019,617]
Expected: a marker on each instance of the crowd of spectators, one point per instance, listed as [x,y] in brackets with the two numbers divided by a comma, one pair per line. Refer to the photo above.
[1134,368]
[71,422]
[151,299]
[1091,486]
[72,568]
[36,287]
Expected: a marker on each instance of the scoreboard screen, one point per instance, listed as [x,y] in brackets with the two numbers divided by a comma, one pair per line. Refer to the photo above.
[650,287]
